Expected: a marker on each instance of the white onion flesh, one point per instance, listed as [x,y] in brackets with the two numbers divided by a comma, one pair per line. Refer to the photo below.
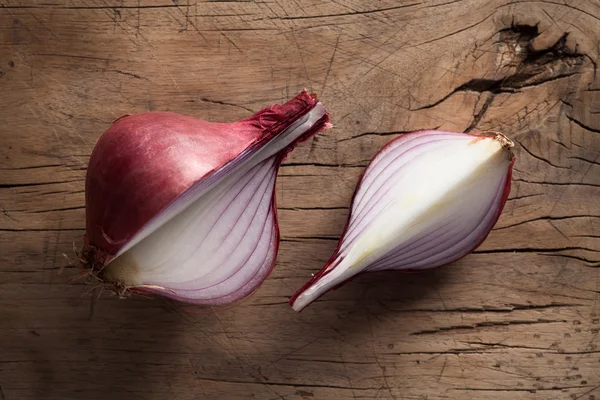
[425,200]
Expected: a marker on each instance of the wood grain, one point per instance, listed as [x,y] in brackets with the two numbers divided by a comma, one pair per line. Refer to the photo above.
[519,319]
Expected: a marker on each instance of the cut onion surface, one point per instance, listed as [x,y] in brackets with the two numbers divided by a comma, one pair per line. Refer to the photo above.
[185,208]
[425,200]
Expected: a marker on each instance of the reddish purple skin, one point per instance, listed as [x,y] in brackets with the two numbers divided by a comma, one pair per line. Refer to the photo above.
[143,162]
[319,125]
[328,266]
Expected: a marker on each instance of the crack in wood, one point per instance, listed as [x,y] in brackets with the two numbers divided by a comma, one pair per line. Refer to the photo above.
[486,324]
[73,56]
[531,390]
[390,133]
[510,346]
[585,160]
[107,7]
[545,349]
[555,183]
[508,308]
[531,71]
[310,208]
[582,125]
[18,185]
[466,28]
[51,210]
[218,102]
[341,165]
[535,250]
[494,86]
[524,197]
[479,115]
[320,360]
[379,10]
[443,4]
[31,167]
[56,192]
[290,384]
[539,158]
[585,261]
[125,73]
[586,393]
[304,238]
[545,218]
[41,229]
[588,236]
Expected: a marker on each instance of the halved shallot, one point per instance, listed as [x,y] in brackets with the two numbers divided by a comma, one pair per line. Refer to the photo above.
[185,208]
[426,199]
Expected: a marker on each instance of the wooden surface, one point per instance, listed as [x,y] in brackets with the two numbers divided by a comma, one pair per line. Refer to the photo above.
[519,319]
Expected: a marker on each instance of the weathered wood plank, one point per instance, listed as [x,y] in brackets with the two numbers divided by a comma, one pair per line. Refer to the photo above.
[517,319]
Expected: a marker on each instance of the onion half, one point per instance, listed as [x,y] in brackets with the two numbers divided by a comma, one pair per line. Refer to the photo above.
[185,208]
[425,200]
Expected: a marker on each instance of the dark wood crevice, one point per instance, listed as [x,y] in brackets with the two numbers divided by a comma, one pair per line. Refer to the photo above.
[485,325]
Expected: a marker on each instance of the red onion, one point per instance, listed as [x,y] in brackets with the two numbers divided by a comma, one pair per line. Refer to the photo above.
[425,200]
[185,208]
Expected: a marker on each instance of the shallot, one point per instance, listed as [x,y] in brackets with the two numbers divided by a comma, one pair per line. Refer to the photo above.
[425,200]
[185,208]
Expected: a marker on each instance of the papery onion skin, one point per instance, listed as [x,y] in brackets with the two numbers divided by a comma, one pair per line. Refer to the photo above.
[334,259]
[121,160]
[144,162]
